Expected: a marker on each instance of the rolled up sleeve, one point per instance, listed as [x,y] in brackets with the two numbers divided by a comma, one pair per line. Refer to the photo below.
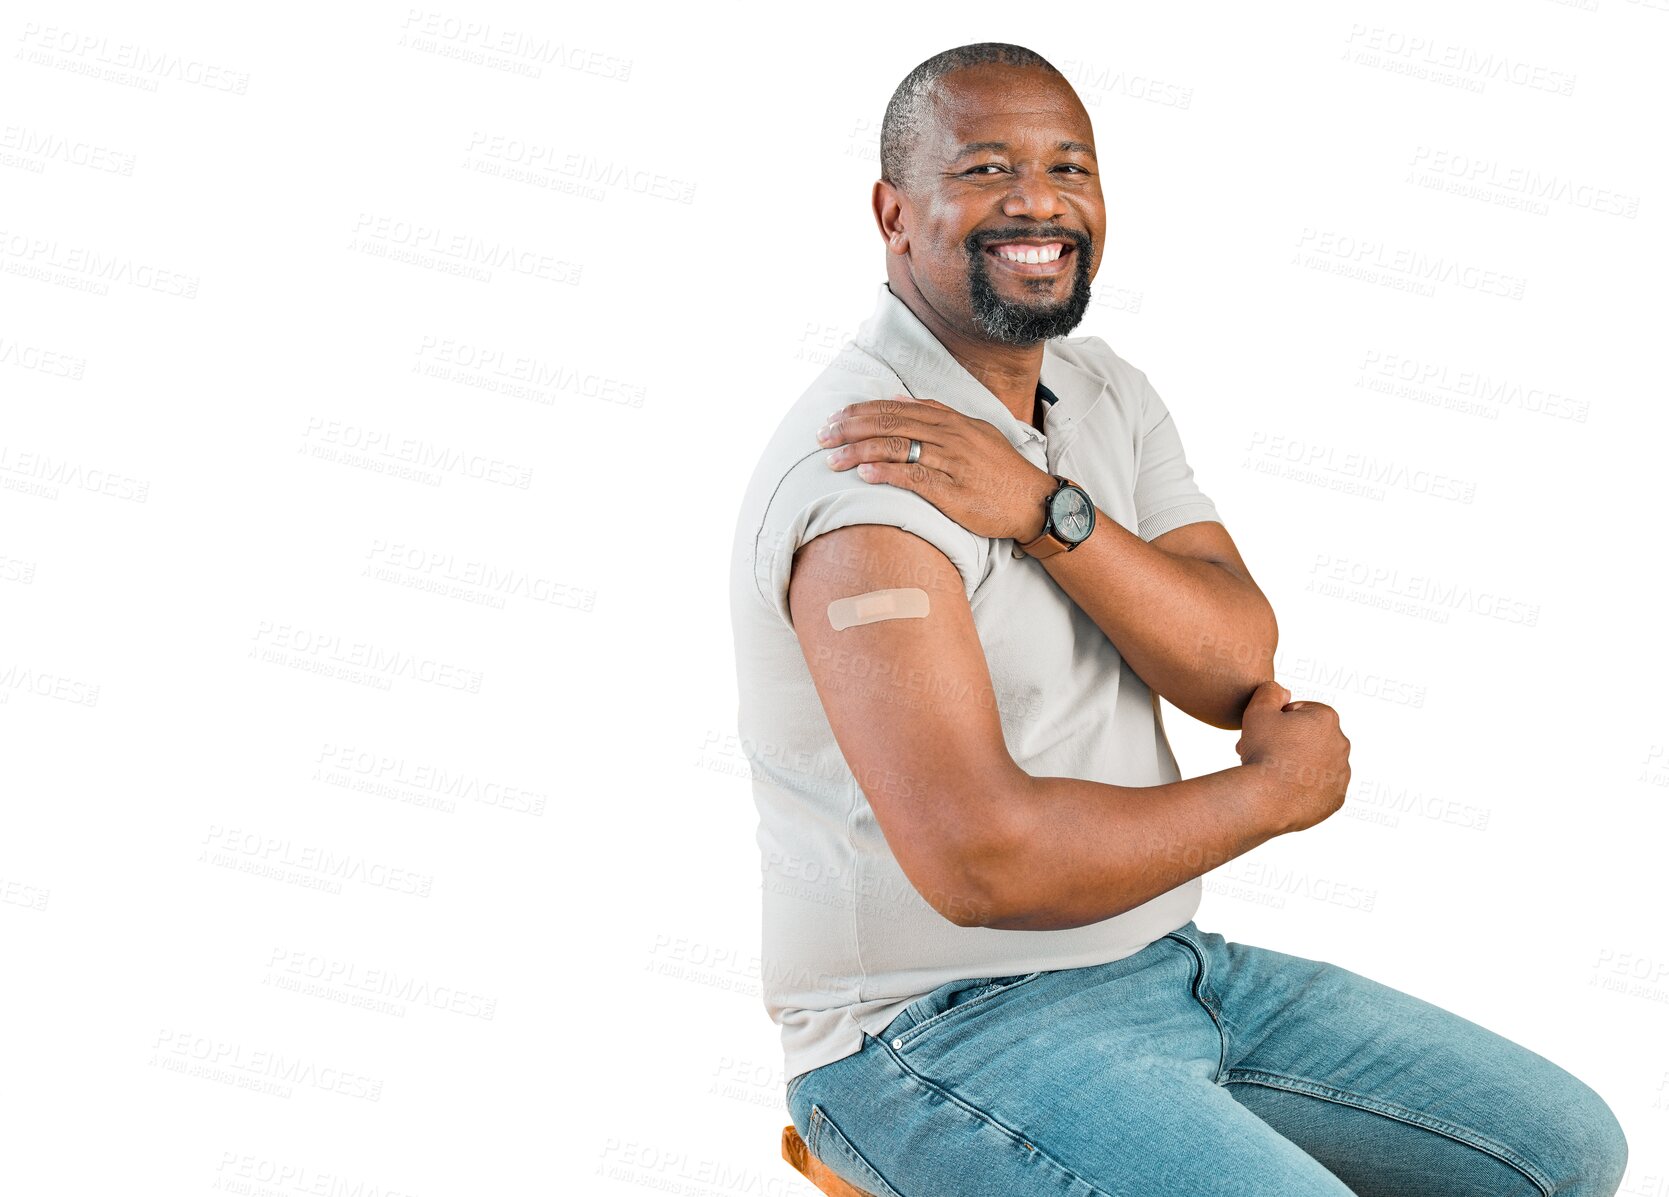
[1167,497]
[813,499]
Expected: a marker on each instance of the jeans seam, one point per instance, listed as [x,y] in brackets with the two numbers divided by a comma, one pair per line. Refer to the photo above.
[1003,1128]
[1200,989]
[1374,1105]
[820,1119]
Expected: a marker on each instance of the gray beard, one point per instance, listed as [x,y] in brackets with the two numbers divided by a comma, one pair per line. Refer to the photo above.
[1020,323]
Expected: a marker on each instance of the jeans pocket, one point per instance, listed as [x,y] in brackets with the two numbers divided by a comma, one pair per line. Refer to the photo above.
[836,1152]
[972,997]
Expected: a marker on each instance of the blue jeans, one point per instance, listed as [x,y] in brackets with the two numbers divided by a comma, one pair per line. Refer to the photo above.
[1198,1067]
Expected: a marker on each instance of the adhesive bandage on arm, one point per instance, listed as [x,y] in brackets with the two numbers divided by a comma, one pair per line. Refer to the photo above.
[905,602]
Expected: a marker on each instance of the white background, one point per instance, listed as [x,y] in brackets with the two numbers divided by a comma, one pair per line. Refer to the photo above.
[379,387]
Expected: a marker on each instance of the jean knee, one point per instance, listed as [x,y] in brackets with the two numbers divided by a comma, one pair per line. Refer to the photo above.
[1610,1151]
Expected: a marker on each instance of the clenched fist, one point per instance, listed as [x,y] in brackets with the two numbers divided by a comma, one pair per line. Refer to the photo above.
[1302,756]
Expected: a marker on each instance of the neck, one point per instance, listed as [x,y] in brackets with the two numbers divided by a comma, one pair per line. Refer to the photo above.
[1010,372]
[1040,409]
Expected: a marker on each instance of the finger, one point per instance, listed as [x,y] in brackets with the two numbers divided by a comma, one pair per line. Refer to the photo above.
[885,448]
[869,406]
[865,425]
[1269,693]
[907,476]
[880,417]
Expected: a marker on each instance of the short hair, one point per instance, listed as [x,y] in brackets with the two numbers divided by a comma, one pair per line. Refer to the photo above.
[907,111]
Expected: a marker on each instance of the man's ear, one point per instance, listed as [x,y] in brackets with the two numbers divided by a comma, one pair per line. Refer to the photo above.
[889,217]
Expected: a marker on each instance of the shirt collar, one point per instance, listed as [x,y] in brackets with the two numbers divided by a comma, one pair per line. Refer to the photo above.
[894,335]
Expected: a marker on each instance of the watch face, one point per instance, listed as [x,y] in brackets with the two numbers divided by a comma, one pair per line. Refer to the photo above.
[1072,513]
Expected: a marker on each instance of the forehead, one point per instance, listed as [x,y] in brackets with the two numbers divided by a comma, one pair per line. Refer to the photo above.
[1022,106]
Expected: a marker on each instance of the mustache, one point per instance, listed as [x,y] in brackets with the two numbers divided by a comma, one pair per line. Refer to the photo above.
[1078,240]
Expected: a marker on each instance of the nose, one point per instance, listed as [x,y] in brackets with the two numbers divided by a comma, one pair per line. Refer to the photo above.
[1034,194]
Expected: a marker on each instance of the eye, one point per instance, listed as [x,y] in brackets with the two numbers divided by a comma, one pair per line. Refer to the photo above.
[997,166]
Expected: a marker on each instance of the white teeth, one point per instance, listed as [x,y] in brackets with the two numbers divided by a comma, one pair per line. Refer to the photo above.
[1030,253]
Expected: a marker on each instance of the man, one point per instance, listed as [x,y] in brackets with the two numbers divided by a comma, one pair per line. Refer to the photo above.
[970,561]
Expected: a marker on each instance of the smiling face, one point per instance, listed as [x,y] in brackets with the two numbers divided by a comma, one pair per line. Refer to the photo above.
[1001,221]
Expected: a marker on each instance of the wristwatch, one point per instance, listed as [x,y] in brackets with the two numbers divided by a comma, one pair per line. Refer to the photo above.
[1068,519]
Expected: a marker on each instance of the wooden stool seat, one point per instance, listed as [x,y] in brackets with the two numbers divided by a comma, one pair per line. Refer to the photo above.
[794,1150]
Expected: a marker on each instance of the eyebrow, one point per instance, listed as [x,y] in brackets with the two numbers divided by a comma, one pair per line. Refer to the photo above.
[973,147]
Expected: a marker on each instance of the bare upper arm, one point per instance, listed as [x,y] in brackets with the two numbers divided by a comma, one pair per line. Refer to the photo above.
[910,703]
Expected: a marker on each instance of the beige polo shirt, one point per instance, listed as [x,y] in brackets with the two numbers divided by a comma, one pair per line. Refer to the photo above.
[847,940]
